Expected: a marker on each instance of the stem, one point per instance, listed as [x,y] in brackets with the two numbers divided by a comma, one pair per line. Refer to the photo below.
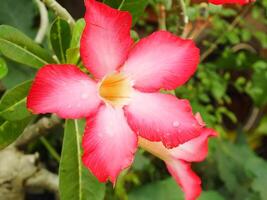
[184,16]
[123,1]
[162,17]
[44,22]
[60,11]
[50,149]
[230,28]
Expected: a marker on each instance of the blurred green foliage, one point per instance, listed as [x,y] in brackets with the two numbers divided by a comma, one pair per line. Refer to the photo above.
[229,90]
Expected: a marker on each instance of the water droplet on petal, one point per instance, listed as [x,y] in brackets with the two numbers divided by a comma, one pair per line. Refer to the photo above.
[176,124]
[69,106]
[84,96]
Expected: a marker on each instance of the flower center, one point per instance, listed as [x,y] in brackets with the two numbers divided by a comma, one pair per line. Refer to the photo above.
[115,89]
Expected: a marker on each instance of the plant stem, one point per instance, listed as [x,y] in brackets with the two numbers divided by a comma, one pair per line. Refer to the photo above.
[162,17]
[60,11]
[50,149]
[230,28]
[44,22]
[184,16]
[122,3]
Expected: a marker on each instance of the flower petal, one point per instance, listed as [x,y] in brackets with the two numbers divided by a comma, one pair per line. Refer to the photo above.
[161,60]
[194,150]
[64,90]
[106,38]
[162,117]
[186,178]
[108,143]
[241,2]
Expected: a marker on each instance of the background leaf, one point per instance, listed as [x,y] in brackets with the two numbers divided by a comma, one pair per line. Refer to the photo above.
[136,8]
[3,68]
[19,14]
[13,102]
[60,36]
[76,182]
[10,131]
[20,48]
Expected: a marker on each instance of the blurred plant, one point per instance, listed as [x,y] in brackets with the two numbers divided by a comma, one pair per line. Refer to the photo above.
[229,90]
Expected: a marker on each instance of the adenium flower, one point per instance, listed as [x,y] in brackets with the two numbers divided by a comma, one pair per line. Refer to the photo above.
[120,99]
[241,2]
[178,160]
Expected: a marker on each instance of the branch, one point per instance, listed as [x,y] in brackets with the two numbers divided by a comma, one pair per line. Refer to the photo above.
[184,16]
[44,22]
[43,179]
[60,11]
[230,28]
[40,128]
[162,17]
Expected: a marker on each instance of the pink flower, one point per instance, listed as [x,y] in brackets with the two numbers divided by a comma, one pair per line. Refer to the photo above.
[178,160]
[122,100]
[241,2]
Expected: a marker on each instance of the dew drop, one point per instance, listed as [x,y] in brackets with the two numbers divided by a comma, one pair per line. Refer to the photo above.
[176,124]
[84,96]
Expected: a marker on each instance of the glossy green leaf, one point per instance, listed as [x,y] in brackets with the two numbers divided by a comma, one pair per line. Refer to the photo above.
[75,181]
[3,68]
[60,36]
[136,8]
[10,131]
[77,33]
[20,48]
[13,102]
[73,53]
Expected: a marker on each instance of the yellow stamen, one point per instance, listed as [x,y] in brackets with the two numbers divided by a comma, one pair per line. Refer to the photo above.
[116,89]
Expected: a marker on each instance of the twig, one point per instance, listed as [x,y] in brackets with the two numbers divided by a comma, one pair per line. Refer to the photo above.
[44,22]
[40,128]
[230,28]
[50,149]
[43,179]
[184,16]
[60,11]
[162,17]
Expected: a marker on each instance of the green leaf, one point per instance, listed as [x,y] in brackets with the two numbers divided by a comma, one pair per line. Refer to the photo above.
[3,68]
[73,53]
[75,181]
[21,72]
[258,89]
[10,131]
[136,8]
[13,102]
[77,33]
[165,189]
[20,48]
[60,36]
[18,13]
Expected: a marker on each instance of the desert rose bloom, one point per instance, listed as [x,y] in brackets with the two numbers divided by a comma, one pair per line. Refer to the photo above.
[178,160]
[122,100]
[241,2]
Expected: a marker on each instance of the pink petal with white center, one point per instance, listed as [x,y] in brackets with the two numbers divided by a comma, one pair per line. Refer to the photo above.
[109,144]
[162,60]
[64,90]
[162,117]
[106,40]
[194,150]
[186,178]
